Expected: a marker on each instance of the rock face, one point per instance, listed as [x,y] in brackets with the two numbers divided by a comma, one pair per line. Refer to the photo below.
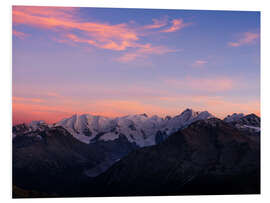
[234,117]
[208,157]
[53,161]
[248,120]
[249,123]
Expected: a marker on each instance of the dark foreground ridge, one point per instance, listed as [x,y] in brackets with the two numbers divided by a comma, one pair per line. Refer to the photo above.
[208,157]
[54,163]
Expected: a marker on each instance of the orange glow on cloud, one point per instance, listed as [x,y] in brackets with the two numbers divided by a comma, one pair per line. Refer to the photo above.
[117,37]
[177,24]
[143,51]
[247,38]
[157,24]
[102,35]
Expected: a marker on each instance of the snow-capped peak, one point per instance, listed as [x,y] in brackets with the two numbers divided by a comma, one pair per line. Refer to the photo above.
[138,128]
[188,114]
[187,117]
[234,117]
[189,111]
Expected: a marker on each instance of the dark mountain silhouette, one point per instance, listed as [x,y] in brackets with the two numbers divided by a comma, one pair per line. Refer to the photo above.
[53,161]
[208,157]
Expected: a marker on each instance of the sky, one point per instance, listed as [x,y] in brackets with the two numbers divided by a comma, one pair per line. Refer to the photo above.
[114,62]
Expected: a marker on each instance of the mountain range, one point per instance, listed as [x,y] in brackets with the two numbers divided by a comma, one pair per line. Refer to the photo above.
[87,155]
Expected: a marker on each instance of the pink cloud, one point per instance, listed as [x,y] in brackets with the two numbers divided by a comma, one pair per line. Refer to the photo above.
[201,62]
[19,34]
[24,99]
[118,37]
[144,51]
[177,24]
[115,37]
[203,84]
[112,45]
[246,38]
[156,24]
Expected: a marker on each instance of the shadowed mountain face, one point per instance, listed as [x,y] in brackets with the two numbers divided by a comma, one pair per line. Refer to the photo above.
[250,124]
[208,157]
[240,119]
[53,161]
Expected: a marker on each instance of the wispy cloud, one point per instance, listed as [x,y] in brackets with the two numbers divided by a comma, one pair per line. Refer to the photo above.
[112,108]
[177,24]
[27,99]
[19,34]
[199,63]
[157,23]
[144,51]
[70,28]
[246,38]
[203,84]
[64,21]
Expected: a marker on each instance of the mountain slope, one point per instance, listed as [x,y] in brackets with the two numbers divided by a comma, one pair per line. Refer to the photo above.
[250,123]
[53,161]
[208,157]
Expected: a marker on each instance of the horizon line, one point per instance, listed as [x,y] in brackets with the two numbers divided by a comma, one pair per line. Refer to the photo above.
[147,115]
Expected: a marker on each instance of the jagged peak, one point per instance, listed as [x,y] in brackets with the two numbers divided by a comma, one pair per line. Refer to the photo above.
[236,114]
[234,117]
[194,113]
[188,110]
[252,115]
[144,114]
